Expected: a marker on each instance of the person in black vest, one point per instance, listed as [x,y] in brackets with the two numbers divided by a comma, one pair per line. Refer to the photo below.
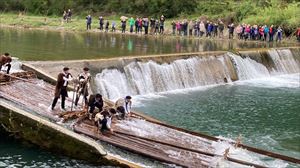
[95,101]
[82,88]
[63,79]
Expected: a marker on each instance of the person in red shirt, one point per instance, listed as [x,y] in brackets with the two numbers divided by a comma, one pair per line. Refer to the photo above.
[298,34]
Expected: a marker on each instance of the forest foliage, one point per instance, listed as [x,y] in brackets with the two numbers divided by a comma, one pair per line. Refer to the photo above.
[276,12]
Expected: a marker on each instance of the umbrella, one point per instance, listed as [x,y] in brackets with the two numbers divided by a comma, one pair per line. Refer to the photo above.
[123,18]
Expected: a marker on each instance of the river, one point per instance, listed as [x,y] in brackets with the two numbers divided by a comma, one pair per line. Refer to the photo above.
[50,45]
[264,110]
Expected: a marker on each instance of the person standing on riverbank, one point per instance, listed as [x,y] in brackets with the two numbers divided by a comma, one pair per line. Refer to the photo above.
[146,25]
[106,26]
[61,86]
[101,23]
[231,30]
[5,60]
[88,22]
[279,34]
[152,25]
[113,26]
[221,29]
[123,25]
[162,24]
[65,16]
[131,24]
[69,15]
[298,34]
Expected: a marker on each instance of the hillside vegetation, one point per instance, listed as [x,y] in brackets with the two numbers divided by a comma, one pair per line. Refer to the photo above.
[271,12]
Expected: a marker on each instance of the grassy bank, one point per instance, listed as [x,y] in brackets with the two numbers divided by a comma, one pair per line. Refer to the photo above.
[78,23]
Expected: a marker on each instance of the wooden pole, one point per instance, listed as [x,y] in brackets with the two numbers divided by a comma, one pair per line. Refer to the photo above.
[74,91]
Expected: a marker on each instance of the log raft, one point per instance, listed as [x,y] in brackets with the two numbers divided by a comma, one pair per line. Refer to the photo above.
[158,140]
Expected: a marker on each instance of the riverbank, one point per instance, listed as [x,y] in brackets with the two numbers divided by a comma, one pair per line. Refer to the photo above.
[78,24]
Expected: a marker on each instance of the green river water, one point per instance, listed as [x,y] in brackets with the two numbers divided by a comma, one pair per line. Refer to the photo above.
[47,45]
[265,112]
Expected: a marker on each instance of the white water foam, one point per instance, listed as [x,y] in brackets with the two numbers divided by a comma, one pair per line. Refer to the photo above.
[247,68]
[242,154]
[140,78]
[281,81]
[284,61]
[15,65]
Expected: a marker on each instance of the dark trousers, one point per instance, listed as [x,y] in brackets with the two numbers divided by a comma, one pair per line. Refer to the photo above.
[88,26]
[230,35]
[77,99]
[92,107]
[123,28]
[146,29]
[131,28]
[8,68]
[161,29]
[63,94]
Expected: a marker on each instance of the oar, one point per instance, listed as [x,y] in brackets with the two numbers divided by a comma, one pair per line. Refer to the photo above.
[74,91]
[192,150]
[256,150]
[25,80]
[84,92]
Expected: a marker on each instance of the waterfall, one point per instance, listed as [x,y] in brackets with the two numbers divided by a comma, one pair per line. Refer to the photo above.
[139,78]
[284,61]
[248,68]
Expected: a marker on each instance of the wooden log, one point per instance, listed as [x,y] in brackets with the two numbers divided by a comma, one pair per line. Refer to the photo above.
[252,149]
[193,150]
[129,147]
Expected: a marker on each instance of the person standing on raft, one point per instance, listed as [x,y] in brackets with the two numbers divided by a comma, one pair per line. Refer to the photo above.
[5,60]
[82,88]
[63,79]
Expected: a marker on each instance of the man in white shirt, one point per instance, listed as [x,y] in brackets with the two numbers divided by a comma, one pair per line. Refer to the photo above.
[126,103]
[63,79]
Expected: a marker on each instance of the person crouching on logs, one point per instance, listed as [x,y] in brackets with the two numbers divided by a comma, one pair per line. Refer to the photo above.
[103,121]
[82,88]
[5,60]
[125,103]
[63,79]
[95,101]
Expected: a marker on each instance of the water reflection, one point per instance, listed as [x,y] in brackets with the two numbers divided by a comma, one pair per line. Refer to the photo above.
[46,45]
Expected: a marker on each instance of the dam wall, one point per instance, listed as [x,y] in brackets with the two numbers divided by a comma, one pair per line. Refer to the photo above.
[118,77]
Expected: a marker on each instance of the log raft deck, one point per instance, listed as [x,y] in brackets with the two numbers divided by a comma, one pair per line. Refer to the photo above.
[175,148]
[23,113]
